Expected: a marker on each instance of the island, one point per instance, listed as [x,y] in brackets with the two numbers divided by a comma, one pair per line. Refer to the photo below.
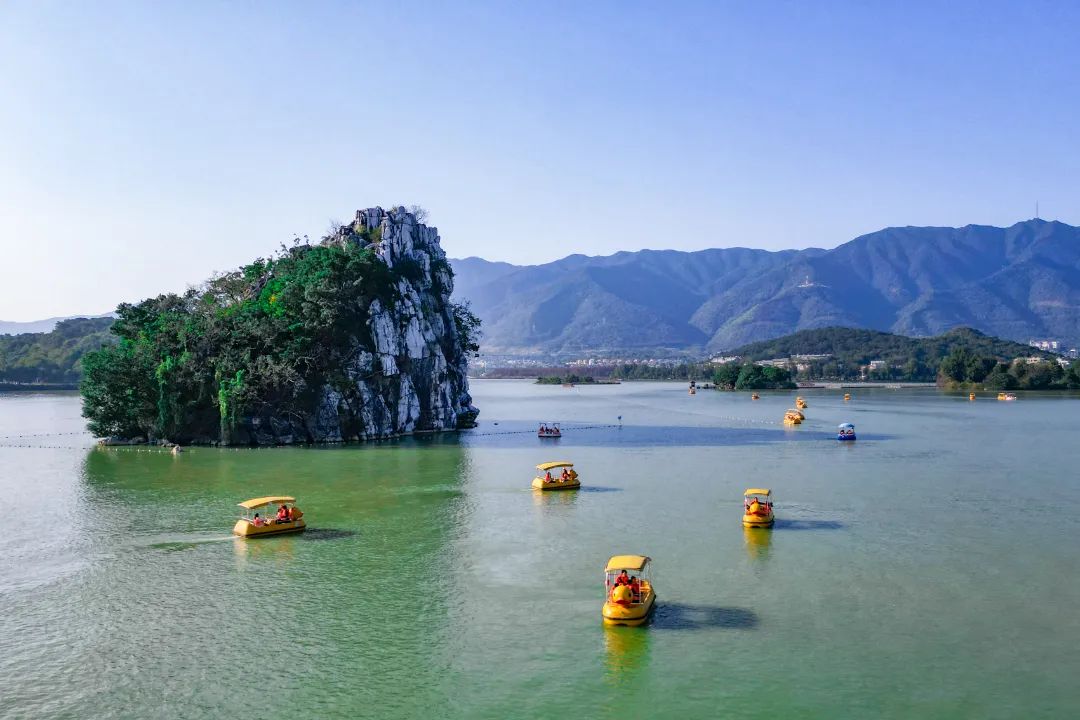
[354,337]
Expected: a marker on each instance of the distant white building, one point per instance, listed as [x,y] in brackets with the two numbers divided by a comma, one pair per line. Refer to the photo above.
[877,365]
[725,359]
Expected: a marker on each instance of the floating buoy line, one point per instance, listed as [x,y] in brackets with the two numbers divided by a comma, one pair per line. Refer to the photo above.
[51,434]
[159,449]
[533,431]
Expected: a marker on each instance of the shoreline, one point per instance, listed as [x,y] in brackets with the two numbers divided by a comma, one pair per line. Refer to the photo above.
[38,387]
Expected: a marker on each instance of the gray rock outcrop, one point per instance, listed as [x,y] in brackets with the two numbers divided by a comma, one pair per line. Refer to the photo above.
[407,373]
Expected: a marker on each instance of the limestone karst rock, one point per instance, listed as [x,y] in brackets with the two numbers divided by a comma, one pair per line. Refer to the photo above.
[407,373]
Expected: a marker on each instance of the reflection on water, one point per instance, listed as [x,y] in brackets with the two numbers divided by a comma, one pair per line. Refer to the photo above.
[263,554]
[626,653]
[554,498]
[758,542]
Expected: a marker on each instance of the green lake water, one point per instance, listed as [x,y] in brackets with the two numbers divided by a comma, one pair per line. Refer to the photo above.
[931,569]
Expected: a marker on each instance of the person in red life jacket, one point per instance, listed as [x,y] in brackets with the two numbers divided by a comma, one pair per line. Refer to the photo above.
[635,587]
[295,513]
[257,521]
[565,474]
[622,579]
[548,478]
[282,514]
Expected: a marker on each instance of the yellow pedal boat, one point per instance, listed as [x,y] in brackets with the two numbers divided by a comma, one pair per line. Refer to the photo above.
[793,417]
[800,403]
[546,481]
[757,508]
[260,524]
[630,597]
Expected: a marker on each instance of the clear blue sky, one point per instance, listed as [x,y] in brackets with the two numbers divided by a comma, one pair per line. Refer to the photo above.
[145,145]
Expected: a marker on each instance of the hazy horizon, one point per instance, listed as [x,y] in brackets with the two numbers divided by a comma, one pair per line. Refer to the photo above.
[150,146]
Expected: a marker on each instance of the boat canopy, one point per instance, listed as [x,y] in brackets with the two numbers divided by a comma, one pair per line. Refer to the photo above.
[757,491]
[268,500]
[845,426]
[626,562]
[542,467]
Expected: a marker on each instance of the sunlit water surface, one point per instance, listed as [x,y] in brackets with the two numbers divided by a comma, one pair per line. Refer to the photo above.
[931,569]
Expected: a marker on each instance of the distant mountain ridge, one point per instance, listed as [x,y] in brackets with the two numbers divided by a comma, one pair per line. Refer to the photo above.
[1018,283]
[53,357]
[8,327]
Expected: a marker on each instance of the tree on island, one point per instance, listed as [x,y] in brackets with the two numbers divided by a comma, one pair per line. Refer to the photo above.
[750,376]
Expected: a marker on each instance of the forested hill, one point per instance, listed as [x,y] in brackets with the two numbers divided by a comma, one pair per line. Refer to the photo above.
[1019,282]
[52,357]
[859,347]
[959,358]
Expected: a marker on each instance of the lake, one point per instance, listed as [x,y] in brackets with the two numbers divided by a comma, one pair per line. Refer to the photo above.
[930,569]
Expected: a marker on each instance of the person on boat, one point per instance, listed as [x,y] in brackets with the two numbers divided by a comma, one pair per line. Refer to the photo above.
[295,513]
[282,514]
[548,478]
[622,579]
[257,521]
[565,474]
[635,587]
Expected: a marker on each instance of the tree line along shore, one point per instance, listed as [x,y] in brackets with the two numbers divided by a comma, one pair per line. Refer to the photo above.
[960,359]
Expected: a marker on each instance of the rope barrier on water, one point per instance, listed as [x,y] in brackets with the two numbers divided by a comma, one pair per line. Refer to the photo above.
[533,432]
[152,449]
[48,434]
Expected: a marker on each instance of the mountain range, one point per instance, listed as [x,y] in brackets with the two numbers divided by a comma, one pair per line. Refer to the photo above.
[9,327]
[1020,282]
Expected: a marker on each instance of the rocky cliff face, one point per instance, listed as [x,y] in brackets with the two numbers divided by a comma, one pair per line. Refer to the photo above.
[407,369]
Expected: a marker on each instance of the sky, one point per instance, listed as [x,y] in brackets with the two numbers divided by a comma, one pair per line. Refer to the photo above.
[144,146]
